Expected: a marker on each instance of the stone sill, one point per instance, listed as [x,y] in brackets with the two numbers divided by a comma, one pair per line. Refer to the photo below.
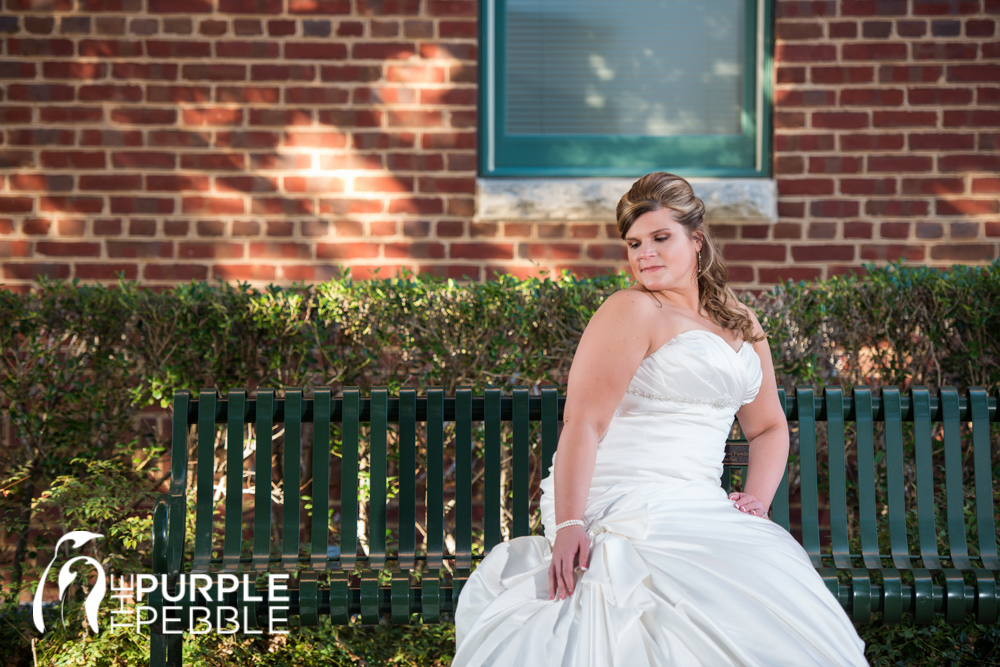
[594,199]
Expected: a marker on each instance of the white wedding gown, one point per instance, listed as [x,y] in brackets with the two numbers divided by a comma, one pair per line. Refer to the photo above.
[678,575]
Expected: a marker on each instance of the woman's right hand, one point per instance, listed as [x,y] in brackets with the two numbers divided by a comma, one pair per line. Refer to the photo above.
[571,550]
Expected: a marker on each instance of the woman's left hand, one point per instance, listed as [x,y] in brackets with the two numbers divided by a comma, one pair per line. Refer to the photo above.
[747,502]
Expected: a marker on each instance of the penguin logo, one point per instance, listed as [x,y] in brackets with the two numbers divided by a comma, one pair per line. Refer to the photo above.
[67,576]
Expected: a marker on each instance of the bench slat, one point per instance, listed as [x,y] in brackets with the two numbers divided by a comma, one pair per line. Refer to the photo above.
[550,427]
[377,456]
[292,480]
[809,484]
[349,457]
[837,471]
[205,487]
[985,521]
[492,471]
[407,480]
[236,412]
[322,414]
[435,479]
[263,432]
[463,480]
[522,463]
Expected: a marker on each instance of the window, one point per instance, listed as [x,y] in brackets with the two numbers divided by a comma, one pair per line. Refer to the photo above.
[621,88]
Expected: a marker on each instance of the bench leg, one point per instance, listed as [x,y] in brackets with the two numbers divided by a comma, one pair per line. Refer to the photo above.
[165,650]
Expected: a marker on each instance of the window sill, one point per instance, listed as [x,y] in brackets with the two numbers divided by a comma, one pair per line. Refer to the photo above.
[594,199]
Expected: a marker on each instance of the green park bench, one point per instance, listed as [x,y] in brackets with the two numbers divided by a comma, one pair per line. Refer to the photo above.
[881,546]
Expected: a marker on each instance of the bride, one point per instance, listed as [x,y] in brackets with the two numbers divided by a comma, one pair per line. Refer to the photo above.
[645,560]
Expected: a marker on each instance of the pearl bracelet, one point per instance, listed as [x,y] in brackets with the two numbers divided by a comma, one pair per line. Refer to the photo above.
[571,522]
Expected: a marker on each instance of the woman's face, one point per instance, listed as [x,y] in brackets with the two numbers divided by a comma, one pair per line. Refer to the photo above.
[661,253]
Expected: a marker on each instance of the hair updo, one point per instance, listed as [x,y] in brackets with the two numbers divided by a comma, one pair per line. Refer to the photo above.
[662,190]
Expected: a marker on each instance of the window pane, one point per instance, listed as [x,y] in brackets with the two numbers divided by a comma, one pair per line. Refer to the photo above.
[635,68]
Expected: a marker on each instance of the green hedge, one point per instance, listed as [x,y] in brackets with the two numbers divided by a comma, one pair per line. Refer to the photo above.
[80,364]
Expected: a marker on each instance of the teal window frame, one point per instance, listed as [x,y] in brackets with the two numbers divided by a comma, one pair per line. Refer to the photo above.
[736,156]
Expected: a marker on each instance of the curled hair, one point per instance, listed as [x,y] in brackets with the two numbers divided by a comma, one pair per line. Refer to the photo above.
[662,190]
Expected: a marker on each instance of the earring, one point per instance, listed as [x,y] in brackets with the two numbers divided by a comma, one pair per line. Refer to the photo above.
[699,262]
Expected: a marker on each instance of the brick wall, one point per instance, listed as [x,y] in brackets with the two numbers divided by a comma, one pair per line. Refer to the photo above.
[277,140]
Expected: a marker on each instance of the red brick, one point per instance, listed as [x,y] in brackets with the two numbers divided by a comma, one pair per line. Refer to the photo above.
[417,205]
[897,208]
[207,250]
[74,115]
[15,249]
[853,74]
[68,249]
[974,118]
[873,8]
[178,93]
[243,272]
[945,7]
[789,164]
[931,186]
[930,230]
[839,120]
[109,93]
[980,28]
[891,252]
[967,206]
[868,186]
[175,272]
[107,227]
[823,253]
[213,205]
[904,119]
[315,184]
[944,51]
[858,230]
[987,73]
[789,75]
[71,204]
[969,163]
[214,72]
[247,95]
[45,92]
[993,229]
[963,230]
[972,252]
[144,116]
[251,6]
[319,6]
[942,141]
[754,252]
[986,96]
[105,271]
[786,273]
[872,97]
[110,182]
[177,182]
[40,182]
[147,205]
[786,53]
[805,186]
[894,230]
[36,227]
[213,116]
[140,249]
[326,95]
[34,271]
[457,29]
[986,185]
[211,228]
[178,49]
[273,250]
[414,250]
[181,6]
[909,73]
[448,140]
[871,51]
[248,184]
[786,209]
[834,165]
[213,161]
[795,143]
[315,51]
[482,250]
[282,206]
[140,227]
[346,250]
[40,137]
[805,98]
[315,139]
[142,160]
[255,139]
[39,47]
[106,48]
[834,208]
[938,96]
[70,227]
[74,70]
[899,163]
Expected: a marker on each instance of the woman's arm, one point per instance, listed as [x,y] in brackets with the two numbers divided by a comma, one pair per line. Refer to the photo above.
[612,347]
[766,429]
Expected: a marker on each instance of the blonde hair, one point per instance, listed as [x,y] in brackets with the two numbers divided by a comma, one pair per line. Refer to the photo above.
[662,190]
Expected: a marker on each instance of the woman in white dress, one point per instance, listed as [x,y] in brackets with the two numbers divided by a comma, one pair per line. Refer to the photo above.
[645,560]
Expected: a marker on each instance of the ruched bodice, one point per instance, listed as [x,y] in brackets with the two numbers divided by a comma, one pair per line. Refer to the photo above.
[678,575]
